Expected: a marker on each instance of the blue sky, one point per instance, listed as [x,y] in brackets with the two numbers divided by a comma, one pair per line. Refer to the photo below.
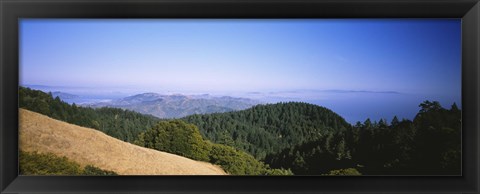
[420,57]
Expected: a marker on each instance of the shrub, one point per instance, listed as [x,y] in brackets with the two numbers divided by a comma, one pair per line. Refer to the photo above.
[92,170]
[348,171]
[46,164]
[33,163]
[176,137]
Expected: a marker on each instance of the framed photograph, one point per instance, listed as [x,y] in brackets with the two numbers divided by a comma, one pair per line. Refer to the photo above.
[266,96]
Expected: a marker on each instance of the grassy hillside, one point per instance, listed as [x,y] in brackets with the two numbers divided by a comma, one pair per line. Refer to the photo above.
[85,146]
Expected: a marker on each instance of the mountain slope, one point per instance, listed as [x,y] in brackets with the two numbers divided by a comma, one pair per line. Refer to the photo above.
[121,124]
[176,106]
[88,146]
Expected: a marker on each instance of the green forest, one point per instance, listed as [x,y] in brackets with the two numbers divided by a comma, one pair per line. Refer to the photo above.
[312,140]
[284,138]
[430,144]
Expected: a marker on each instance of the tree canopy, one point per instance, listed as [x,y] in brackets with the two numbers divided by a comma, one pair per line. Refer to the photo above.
[178,137]
[266,129]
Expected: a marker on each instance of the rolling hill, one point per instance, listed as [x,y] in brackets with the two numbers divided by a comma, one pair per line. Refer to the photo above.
[270,128]
[39,133]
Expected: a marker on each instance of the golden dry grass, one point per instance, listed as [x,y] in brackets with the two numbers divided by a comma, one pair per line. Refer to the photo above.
[91,147]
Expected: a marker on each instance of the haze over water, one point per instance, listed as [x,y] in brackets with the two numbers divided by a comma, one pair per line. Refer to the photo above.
[359,68]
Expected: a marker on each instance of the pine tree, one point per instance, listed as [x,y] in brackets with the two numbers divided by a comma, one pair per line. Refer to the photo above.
[395,121]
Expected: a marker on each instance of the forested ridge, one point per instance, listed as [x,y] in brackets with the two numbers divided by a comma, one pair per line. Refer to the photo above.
[299,137]
[266,129]
[312,140]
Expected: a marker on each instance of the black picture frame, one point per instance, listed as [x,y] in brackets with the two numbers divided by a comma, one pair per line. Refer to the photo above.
[12,10]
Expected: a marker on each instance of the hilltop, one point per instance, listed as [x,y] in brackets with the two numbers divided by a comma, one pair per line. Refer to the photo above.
[266,129]
[86,146]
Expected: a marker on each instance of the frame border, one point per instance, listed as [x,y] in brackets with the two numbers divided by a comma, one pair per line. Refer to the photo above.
[12,10]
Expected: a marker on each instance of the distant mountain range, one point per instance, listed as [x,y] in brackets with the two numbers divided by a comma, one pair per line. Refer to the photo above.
[178,105]
[63,95]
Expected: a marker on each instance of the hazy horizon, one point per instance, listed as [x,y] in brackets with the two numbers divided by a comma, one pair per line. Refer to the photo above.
[360,68]
[352,105]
